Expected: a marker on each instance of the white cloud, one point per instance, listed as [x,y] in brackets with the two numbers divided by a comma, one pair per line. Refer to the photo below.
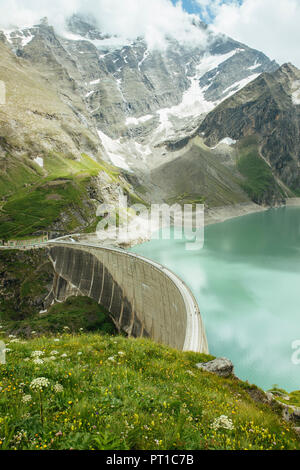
[209,8]
[26,12]
[153,19]
[271,26]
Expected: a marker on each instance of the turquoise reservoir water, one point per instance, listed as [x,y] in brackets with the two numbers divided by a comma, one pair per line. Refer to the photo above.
[247,283]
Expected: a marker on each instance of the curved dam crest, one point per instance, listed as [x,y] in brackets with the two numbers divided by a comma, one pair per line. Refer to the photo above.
[144,298]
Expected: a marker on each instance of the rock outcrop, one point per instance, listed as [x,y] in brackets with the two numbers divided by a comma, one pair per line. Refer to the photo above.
[220,366]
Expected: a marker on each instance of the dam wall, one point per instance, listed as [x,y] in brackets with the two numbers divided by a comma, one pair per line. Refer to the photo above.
[144,298]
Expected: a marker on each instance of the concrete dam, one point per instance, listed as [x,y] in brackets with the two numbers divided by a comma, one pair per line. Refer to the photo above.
[144,298]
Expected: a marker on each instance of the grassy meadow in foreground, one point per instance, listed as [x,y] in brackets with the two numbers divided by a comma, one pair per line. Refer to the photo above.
[93,391]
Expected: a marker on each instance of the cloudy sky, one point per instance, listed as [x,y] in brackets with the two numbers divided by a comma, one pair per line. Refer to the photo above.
[271,26]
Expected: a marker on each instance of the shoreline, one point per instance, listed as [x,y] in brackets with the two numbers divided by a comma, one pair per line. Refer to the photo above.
[218,215]
[212,216]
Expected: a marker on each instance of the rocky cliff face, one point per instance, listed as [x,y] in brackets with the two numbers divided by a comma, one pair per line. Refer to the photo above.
[81,101]
[132,97]
[266,113]
[52,173]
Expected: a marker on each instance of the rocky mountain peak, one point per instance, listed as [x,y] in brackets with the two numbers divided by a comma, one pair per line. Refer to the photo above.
[84,26]
[289,68]
[44,21]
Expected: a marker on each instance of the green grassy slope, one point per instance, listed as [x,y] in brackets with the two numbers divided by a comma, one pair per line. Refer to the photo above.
[34,201]
[118,393]
[199,175]
[259,183]
[74,314]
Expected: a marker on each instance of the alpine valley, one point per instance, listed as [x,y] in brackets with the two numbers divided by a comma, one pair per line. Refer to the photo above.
[90,116]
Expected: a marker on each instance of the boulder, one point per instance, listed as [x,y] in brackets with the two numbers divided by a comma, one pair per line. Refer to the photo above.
[220,366]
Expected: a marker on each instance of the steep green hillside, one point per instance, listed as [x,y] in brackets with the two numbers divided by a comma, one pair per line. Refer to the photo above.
[56,197]
[102,392]
[259,182]
[200,175]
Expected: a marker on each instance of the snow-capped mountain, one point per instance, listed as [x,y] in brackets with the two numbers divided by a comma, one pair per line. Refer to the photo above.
[131,97]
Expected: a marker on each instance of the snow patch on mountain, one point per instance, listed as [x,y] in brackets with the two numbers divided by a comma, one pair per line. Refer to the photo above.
[90,93]
[255,66]
[7,34]
[227,141]
[114,150]
[296,93]
[136,121]
[193,101]
[21,37]
[211,62]
[27,39]
[146,54]
[239,85]
[95,82]
[120,152]
[112,43]
[39,161]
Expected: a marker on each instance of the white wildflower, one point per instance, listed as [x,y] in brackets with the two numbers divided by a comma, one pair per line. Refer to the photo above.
[58,388]
[37,353]
[38,361]
[112,359]
[64,355]
[121,353]
[79,353]
[223,422]
[39,383]
[26,398]
[53,353]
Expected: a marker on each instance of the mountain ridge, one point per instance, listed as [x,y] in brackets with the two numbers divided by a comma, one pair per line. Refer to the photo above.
[145,95]
[140,111]
[267,110]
